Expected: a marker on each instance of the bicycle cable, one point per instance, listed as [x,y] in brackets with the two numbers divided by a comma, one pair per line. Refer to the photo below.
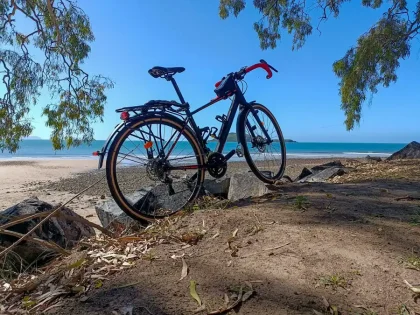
[246,86]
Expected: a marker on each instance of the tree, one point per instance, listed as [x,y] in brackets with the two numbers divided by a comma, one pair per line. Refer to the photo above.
[372,62]
[60,32]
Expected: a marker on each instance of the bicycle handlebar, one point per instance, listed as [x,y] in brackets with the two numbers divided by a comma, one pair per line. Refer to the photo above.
[263,64]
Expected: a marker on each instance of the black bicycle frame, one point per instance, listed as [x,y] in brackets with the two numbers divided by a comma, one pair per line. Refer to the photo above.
[238,101]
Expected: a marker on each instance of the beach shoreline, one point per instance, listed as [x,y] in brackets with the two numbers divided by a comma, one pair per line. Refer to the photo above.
[57,180]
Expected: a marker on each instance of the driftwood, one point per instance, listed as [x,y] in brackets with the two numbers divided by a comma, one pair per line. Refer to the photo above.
[51,245]
[48,216]
[57,214]
[410,198]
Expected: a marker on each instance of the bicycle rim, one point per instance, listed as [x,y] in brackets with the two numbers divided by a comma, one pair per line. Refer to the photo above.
[266,160]
[137,179]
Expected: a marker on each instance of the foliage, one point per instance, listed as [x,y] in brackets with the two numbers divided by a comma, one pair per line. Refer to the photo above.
[372,62]
[59,35]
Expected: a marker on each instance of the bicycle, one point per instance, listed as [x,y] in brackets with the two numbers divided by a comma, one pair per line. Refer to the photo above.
[155,164]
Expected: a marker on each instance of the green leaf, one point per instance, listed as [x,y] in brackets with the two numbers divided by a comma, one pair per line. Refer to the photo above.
[193,292]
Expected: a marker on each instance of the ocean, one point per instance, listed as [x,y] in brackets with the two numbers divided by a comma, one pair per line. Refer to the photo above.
[42,149]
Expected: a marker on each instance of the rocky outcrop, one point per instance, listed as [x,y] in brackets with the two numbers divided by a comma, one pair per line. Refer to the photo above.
[244,185]
[410,151]
[62,231]
[322,173]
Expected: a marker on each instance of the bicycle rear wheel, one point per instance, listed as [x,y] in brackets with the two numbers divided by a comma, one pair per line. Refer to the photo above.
[267,160]
[139,167]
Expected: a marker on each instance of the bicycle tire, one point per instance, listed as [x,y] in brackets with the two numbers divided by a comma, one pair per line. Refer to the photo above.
[242,138]
[113,154]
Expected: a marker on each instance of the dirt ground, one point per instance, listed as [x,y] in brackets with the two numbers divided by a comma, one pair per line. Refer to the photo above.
[351,243]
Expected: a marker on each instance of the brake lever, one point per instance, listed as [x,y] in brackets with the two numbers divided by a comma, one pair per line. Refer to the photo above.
[271,67]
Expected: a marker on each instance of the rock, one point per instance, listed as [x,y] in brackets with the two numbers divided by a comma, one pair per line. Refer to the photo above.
[65,233]
[244,185]
[111,216]
[324,175]
[373,158]
[322,167]
[305,172]
[410,151]
[217,187]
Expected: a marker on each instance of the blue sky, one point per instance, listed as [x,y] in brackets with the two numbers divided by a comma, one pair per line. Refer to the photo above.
[133,36]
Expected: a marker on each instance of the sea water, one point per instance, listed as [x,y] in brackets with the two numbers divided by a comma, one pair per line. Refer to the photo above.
[43,149]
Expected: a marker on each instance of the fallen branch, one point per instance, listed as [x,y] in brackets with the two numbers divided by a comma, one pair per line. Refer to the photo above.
[4,252]
[265,249]
[51,245]
[233,305]
[410,198]
[25,218]
[276,247]
[412,287]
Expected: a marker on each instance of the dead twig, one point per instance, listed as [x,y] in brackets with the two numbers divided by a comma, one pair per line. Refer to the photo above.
[25,218]
[410,198]
[51,245]
[232,306]
[265,249]
[5,251]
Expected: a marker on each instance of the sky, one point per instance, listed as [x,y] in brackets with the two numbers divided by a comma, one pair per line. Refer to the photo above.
[132,36]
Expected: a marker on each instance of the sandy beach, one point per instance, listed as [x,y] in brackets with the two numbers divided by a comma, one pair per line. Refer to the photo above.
[346,241]
[21,179]
[57,180]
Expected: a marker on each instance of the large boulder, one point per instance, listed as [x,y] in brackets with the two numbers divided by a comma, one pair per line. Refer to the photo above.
[217,187]
[410,151]
[244,185]
[62,231]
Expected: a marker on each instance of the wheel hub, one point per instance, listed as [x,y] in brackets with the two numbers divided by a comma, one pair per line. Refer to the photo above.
[157,169]
[260,143]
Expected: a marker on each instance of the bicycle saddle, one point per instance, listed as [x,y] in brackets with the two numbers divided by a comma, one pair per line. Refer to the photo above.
[158,72]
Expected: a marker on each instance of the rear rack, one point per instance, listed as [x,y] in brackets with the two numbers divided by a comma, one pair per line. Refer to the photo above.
[155,104]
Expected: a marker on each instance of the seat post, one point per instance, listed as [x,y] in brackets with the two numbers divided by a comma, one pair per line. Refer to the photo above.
[181,98]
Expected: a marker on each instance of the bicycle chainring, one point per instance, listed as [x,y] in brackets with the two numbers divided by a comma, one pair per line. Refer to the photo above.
[216,165]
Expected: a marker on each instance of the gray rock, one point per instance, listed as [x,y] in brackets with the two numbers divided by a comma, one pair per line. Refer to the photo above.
[322,167]
[65,233]
[217,187]
[373,158]
[244,185]
[111,216]
[324,175]
[410,151]
[305,172]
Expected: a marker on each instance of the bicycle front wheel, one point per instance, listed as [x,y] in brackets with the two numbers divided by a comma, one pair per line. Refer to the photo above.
[154,167]
[266,156]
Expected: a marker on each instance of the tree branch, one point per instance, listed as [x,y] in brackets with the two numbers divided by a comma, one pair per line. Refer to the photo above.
[58,214]
[39,241]
[54,18]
